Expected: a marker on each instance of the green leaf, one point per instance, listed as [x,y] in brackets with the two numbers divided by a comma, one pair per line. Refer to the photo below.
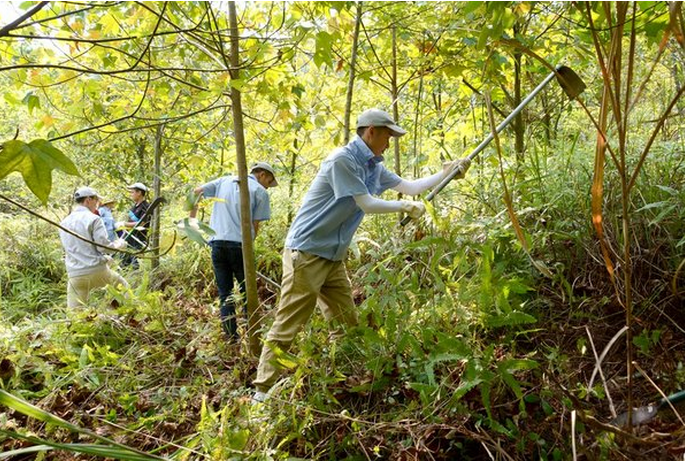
[667,189]
[237,83]
[10,98]
[86,448]
[470,7]
[680,243]
[511,365]
[23,451]
[649,206]
[298,90]
[515,386]
[510,319]
[192,234]
[35,161]
[483,37]
[430,366]
[191,200]
[108,61]
[323,55]
[205,228]
[665,212]
[32,101]
[238,440]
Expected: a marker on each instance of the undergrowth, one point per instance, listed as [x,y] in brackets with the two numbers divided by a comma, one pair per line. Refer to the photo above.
[464,350]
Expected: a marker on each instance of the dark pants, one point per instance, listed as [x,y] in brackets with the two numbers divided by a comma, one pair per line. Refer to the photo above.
[135,242]
[227,259]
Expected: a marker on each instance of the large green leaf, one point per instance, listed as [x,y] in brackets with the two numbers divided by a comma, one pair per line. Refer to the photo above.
[86,448]
[35,161]
[323,53]
[195,235]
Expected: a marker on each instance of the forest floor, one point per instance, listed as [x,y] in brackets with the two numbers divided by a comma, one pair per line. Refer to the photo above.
[152,371]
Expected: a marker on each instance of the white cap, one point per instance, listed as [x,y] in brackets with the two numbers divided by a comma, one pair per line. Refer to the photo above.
[266,167]
[83,192]
[138,185]
[377,117]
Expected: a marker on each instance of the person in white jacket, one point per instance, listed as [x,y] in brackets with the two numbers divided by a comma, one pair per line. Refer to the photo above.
[87,264]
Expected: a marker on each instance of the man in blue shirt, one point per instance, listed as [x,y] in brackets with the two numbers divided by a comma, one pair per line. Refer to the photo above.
[226,243]
[332,209]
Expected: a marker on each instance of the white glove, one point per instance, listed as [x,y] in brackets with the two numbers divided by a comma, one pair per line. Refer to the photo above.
[120,224]
[119,244]
[413,209]
[192,224]
[462,165]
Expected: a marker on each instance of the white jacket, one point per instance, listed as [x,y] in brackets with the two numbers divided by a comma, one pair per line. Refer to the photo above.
[82,257]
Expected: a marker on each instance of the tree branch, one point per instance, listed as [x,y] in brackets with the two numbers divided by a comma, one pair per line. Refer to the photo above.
[13,25]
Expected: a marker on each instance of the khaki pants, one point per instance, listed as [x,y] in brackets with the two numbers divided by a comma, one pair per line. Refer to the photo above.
[78,288]
[306,279]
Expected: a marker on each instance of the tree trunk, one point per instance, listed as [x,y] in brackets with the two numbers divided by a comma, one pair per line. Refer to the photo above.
[246,218]
[140,153]
[353,70]
[437,102]
[293,181]
[417,123]
[395,106]
[546,118]
[157,190]
[519,128]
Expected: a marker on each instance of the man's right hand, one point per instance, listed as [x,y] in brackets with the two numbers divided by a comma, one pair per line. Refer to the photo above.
[462,165]
[413,209]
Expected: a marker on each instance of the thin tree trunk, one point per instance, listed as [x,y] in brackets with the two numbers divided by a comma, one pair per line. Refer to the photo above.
[546,118]
[395,104]
[140,153]
[246,218]
[353,71]
[157,189]
[519,128]
[417,117]
[293,181]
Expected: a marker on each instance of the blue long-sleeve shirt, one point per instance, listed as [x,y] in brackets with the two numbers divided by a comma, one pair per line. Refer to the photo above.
[108,220]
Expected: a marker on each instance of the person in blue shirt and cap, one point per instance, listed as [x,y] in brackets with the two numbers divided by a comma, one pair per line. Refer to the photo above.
[105,212]
[226,243]
[340,195]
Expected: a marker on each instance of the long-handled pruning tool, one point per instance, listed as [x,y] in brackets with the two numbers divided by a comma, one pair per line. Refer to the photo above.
[569,81]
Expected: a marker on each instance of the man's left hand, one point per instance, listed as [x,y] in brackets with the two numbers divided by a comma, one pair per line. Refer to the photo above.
[119,244]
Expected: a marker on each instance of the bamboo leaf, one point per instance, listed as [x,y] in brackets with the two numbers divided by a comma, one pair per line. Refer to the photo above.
[22,451]
[85,448]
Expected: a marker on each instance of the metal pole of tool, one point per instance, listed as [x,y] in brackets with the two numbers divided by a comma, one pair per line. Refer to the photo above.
[487,140]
